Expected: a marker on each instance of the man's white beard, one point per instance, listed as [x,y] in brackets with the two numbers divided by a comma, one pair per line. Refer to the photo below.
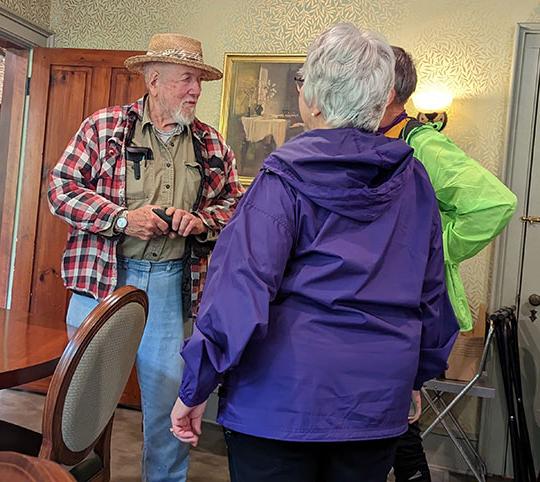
[182,118]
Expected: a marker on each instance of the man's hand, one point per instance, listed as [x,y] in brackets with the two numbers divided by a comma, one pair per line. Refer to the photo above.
[184,223]
[145,224]
[417,400]
[186,422]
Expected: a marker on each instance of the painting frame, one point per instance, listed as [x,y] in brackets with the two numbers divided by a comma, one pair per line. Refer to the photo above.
[241,123]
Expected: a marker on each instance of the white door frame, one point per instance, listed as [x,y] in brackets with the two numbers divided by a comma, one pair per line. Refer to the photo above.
[510,245]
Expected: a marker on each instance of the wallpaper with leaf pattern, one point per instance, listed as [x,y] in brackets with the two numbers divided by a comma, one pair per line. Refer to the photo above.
[35,11]
[463,44]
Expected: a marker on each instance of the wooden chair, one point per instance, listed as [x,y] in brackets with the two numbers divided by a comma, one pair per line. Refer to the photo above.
[85,389]
[17,467]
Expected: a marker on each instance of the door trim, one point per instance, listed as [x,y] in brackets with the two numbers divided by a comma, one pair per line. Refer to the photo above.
[22,32]
[12,122]
[508,261]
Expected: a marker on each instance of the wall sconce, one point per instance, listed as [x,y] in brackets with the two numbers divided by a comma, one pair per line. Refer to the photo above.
[432,106]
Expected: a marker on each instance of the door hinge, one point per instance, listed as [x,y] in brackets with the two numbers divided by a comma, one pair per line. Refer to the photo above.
[28,85]
[530,219]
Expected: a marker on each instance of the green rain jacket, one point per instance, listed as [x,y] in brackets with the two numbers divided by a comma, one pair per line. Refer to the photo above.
[475,206]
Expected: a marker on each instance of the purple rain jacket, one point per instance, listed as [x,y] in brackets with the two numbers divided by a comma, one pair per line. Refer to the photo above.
[325,302]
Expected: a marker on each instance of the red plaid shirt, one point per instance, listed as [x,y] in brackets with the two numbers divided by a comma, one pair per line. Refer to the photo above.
[88,188]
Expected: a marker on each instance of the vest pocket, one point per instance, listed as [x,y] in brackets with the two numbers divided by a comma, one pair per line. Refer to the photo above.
[138,176]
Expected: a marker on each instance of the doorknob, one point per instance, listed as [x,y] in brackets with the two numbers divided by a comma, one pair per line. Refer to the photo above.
[530,219]
[534,300]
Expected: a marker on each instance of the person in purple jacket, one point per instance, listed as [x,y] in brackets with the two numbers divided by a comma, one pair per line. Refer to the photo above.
[325,304]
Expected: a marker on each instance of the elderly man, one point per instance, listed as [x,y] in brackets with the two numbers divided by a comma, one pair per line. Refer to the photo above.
[123,164]
[475,206]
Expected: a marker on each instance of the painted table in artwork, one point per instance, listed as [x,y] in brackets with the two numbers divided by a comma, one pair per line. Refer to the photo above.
[257,128]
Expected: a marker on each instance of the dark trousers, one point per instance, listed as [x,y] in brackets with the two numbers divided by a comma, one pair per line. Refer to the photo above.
[410,463]
[255,459]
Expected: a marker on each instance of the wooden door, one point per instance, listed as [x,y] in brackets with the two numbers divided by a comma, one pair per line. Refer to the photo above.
[67,85]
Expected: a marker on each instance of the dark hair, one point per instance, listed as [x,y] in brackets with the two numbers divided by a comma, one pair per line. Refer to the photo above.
[405,81]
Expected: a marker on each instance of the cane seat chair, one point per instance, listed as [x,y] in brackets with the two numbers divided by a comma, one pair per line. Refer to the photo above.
[85,389]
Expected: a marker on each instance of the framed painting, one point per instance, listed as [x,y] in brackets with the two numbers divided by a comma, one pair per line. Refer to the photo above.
[259,107]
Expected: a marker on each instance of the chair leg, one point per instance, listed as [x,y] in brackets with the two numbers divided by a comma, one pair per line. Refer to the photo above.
[103,450]
[14,438]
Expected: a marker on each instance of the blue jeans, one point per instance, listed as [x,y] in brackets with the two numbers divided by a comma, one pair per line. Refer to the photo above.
[159,365]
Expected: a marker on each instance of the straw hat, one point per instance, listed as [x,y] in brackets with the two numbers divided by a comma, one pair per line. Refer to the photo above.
[174,48]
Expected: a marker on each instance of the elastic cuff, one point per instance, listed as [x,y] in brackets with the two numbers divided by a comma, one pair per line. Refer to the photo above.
[188,401]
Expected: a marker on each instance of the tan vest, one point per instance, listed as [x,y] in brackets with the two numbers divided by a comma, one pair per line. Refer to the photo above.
[172,178]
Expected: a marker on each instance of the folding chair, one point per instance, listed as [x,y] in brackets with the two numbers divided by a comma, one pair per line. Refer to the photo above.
[476,387]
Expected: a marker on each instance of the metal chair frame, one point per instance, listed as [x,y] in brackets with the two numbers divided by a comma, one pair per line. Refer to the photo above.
[474,387]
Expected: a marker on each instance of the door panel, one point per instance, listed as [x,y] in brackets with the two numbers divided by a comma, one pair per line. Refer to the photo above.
[517,273]
[529,314]
[67,106]
[67,85]
[123,83]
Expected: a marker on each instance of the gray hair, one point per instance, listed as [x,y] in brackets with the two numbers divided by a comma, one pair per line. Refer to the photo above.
[405,83]
[348,74]
[150,67]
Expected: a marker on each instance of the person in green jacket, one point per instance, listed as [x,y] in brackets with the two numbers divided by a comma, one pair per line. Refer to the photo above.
[475,207]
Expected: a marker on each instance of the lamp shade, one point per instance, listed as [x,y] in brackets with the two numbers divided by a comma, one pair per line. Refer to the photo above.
[432,100]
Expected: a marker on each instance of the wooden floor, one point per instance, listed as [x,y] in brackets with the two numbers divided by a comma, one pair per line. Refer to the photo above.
[208,462]
[205,466]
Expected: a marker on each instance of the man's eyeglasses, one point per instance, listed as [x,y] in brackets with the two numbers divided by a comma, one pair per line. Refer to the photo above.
[299,80]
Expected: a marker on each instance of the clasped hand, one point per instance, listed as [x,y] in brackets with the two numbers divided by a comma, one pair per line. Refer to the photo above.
[186,422]
[144,224]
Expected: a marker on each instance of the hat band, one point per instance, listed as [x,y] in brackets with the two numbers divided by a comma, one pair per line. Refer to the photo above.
[177,54]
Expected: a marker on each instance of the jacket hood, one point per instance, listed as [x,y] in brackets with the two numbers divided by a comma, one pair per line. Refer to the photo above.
[347,171]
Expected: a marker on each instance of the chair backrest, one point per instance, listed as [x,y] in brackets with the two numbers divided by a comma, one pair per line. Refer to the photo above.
[91,375]
[17,467]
